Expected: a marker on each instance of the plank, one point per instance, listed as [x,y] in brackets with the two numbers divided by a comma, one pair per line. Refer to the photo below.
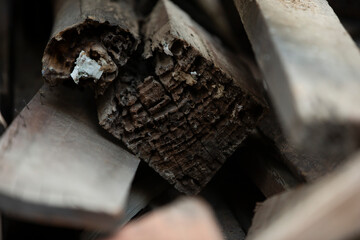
[188,117]
[304,165]
[311,67]
[328,209]
[186,218]
[91,41]
[58,167]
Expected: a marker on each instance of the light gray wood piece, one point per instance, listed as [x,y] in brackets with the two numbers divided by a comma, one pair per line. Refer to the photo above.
[58,167]
[328,209]
[312,69]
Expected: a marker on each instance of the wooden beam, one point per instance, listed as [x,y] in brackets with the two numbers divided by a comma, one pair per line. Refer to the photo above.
[312,69]
[304,165]
[193,113]
[328,209]
[58,167]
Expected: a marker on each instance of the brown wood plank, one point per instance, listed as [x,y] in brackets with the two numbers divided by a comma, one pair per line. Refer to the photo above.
[191,116]
[328,209]
[312,69]
[58,167]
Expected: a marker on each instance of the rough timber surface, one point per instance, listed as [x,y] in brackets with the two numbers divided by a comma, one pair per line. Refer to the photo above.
[328,209]
[105,30]
[58,167]
[312,69]
[189,116]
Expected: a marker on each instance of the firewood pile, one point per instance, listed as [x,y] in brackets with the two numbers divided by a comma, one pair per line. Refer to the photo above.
[170,119]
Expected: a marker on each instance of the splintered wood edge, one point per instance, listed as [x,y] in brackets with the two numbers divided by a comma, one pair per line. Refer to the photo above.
[312,211]
[312,67]
[58,167]
[106,31]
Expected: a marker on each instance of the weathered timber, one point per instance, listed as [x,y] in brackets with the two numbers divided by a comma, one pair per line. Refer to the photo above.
[312,69]
[103,32]
[304,165]
[57,166]
[328,209]
[187,218]
[189,116]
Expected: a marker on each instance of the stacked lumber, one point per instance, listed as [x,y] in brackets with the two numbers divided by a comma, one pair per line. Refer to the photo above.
[236,101]
[186,115]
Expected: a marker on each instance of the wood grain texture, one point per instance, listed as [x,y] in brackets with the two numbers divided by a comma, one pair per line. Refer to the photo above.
[58,167]
[304,165]
[105,30]
[328,209]
[312,69]
[188,117]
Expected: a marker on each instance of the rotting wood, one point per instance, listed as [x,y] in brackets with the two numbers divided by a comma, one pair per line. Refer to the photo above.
[312,69]
[328,209]
[190,116]
[57,166]
[91,41]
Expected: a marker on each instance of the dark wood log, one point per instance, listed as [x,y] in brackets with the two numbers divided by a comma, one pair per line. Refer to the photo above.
[312,68]
[189,116]
[327,209]
[58,167]
[91,41]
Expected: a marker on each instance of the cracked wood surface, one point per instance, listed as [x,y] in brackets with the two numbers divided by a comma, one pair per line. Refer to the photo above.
[195,109]
[312,69]
[57,166]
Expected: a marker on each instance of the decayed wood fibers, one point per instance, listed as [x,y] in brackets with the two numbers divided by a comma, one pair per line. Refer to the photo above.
[107,31]
[191,114]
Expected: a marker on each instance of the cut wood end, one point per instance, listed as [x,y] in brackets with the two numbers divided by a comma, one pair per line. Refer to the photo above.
[110,46]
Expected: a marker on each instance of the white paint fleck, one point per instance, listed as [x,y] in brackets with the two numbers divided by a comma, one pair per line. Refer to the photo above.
[166,49]
[194,73]
[86,67]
